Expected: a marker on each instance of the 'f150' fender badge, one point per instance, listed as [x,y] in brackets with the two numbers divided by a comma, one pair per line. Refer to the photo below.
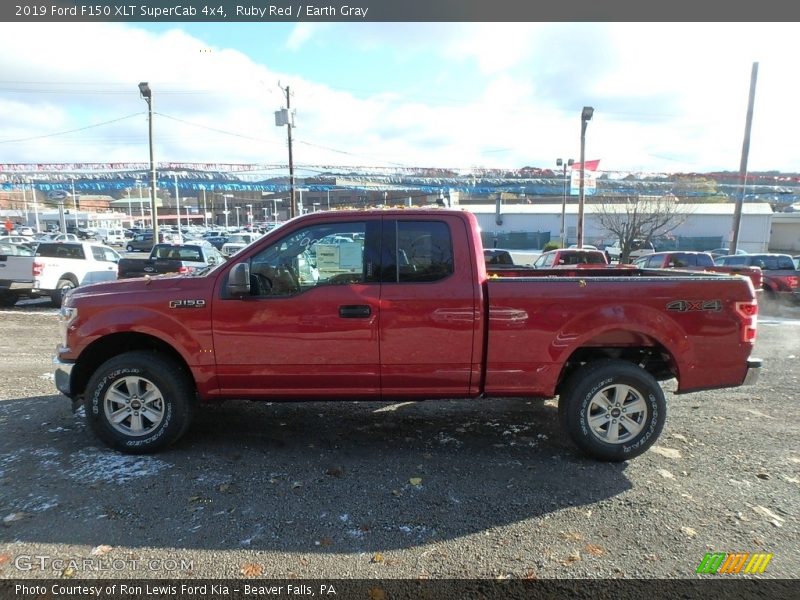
[695,305]
[187,303]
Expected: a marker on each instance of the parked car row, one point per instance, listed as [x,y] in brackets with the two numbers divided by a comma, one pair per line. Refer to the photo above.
[54,268]
[775,274]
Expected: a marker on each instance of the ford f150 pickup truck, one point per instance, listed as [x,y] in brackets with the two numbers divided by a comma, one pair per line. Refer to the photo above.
[16,272]
[697,261]
[171,258]
[54,268]
[397,304]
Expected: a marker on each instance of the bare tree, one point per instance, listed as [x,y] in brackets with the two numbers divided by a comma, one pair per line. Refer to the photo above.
[640,218]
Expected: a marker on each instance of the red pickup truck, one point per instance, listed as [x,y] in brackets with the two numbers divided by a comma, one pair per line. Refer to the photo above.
[698,261]
[397,304]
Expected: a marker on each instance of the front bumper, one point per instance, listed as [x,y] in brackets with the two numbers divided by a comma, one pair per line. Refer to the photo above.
[753,371]
[63,376]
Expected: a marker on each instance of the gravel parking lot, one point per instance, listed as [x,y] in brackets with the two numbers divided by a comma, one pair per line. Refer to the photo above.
[439,489]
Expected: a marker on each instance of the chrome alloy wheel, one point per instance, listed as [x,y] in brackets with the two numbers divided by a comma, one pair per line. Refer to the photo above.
[134,406]
[617,414]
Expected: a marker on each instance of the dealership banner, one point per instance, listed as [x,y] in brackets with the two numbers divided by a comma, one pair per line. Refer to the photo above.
[590,173]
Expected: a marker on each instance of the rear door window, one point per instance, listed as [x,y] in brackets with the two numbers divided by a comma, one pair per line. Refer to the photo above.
[416,252]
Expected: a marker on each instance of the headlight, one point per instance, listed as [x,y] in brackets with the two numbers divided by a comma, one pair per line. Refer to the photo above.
[66,317]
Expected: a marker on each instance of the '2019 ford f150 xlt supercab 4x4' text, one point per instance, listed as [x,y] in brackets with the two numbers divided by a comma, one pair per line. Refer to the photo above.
[398,304]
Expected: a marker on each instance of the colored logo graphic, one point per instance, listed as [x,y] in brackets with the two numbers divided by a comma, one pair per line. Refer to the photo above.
[741,562]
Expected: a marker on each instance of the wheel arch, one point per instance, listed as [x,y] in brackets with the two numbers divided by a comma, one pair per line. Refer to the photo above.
[647,352]
[113,345]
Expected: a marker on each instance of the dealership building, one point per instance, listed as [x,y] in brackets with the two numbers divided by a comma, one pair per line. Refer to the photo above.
[707,226]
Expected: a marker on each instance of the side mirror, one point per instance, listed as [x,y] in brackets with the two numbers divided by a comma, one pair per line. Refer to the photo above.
[212,260]
[239,280]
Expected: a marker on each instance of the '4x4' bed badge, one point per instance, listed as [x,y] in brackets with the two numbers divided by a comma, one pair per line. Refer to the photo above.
[695,305]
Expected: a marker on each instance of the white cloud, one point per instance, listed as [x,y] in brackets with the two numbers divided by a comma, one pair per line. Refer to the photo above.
[667,96]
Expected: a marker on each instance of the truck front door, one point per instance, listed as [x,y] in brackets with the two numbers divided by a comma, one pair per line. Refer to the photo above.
[310,324]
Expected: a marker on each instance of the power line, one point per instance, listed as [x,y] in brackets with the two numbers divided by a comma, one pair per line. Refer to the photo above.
[47,135]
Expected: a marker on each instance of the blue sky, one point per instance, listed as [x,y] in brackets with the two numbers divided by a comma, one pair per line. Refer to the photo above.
[667,96]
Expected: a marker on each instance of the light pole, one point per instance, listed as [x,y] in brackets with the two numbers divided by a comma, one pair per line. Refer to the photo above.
[75,206]
[147,94]
[178,206]
[284,117]
[275,209]
[561,163]
[250,215]
[205,210]
[35,207]
[238,225]
[226,212]
[141,202]
[130,207]
[586,115]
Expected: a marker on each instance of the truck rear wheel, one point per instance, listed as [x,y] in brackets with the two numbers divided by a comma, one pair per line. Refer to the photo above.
[612,409]
[139,402]
[8,298]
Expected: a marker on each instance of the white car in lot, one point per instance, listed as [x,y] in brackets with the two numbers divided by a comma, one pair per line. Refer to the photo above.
[639,248]
[16,239]
[236,242]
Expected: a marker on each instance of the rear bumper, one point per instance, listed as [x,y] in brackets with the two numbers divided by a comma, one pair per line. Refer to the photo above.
[753,371]
[15,284]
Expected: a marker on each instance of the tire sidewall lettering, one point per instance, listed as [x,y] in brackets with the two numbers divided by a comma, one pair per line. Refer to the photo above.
[96,406]
[652,417]
[586,399]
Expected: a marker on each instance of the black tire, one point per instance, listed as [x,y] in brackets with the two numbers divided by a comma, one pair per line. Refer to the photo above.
[129,248]
[8,299]
[62,287]
[130,385]
[604,426]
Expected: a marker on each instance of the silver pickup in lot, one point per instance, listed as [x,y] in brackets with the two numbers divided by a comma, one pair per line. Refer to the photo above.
[16,277]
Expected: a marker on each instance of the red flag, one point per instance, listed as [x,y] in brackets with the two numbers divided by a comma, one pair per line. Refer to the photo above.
[591,165]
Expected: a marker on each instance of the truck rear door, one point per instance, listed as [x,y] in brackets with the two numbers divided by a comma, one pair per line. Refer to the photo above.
[428,308]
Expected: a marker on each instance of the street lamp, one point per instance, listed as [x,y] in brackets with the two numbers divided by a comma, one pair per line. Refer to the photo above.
[226,212]
[275,208]
[237,216]
[561,163]
[205,209]
[250,215]
[178,207]
[141,202]
[586,116]
[75,206]
[147,94]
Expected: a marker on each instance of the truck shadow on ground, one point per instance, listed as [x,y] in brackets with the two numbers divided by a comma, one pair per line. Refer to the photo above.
[296,477]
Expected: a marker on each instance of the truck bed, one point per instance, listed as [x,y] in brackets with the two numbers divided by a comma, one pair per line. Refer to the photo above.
[537,320]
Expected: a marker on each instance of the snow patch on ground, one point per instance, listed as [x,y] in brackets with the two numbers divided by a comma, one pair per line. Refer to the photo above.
[97,466]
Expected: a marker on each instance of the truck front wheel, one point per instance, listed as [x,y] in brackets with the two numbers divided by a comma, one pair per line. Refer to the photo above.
[612,409]
[139,402]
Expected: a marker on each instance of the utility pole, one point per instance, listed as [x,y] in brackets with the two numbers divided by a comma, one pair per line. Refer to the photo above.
[737,213]
[284,117]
